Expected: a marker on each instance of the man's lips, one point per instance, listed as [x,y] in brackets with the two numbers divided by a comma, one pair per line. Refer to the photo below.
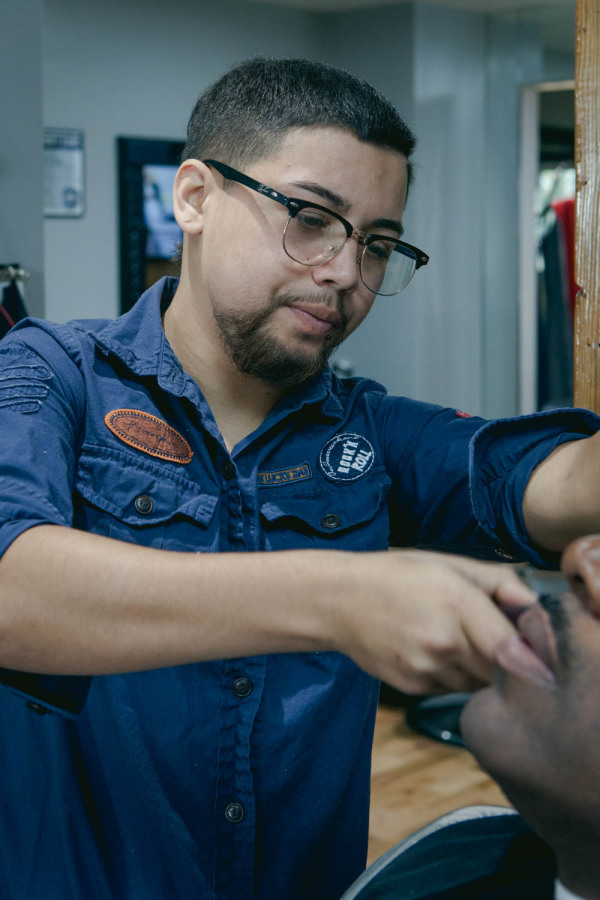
[316,318]
[530,654]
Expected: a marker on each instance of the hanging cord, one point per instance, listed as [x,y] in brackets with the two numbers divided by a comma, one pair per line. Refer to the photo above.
[13,272]
[8,318]
[12,307]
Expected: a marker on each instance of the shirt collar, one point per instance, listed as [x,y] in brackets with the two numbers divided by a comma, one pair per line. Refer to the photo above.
[138,339]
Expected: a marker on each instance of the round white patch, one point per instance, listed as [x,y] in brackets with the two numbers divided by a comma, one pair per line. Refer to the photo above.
[347,457]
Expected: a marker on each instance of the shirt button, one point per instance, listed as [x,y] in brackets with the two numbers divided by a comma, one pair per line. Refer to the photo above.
[143,504]
[234,813]
[242,687]
[227,470]
[330,521]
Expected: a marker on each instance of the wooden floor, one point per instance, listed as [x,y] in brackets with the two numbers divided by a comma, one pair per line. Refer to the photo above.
[416,779]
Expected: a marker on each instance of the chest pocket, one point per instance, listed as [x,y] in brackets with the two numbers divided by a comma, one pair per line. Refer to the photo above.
[141,502]
[350,516]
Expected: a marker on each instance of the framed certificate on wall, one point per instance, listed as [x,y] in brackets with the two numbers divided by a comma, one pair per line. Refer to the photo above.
[64,188]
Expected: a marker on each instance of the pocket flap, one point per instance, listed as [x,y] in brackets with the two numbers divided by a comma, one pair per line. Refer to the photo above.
[140,493]
[331,510]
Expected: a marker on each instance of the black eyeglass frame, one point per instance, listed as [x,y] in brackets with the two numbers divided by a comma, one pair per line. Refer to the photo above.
[294,205]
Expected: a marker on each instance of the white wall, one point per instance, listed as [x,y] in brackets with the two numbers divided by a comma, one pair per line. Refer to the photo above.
[450,118]
[21,234]
[379,45]
[515,59]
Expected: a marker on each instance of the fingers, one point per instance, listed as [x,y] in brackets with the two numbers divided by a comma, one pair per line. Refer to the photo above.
[456,653]
[499,581]
[482,626]
[433,622]
[468,671]
[454,682]
[466,623]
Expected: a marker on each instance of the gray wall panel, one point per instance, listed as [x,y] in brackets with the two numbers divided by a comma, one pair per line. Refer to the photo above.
[21,189]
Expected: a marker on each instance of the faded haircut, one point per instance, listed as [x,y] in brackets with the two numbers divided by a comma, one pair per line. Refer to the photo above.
[244,115]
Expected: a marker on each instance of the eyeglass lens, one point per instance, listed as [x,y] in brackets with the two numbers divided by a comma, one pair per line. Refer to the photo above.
[312,237]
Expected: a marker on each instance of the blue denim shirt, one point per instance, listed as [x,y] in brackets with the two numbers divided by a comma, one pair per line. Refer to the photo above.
[242,778]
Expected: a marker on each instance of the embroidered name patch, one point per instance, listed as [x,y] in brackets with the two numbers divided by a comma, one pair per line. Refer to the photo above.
[347,457]
[149,434]
[284,476]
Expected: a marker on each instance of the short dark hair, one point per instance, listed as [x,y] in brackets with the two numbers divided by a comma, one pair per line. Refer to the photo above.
[244,115]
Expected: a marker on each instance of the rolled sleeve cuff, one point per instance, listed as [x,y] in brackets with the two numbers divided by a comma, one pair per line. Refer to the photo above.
[18,515]
[503,456]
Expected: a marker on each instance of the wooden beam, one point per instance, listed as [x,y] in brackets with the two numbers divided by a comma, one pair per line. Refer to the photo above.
[587,204]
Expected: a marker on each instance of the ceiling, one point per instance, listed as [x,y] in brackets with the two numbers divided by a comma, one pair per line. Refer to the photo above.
[555,18]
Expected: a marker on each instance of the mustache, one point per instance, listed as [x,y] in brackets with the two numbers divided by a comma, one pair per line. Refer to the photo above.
[314,298]
[561,627]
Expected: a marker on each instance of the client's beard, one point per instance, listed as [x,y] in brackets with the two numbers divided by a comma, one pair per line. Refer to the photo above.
[561,626]
[257,353]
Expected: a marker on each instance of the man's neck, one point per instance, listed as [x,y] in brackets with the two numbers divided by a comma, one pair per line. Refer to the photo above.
[238,402]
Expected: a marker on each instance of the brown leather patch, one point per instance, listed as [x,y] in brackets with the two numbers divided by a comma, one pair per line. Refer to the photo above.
[149,434]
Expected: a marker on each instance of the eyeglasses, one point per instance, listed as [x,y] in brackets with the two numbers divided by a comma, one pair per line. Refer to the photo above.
[314,234]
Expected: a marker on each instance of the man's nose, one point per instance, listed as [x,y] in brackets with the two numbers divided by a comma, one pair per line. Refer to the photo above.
[581,564]
[342,269]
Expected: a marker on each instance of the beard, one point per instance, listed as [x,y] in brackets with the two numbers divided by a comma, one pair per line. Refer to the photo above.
[561,626]
[256,352]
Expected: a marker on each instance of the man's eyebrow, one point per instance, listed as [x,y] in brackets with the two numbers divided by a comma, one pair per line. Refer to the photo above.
[342,206]
[324,193]
[390,224]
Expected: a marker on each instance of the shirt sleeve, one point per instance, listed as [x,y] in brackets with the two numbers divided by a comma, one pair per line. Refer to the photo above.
[458,481]
[503,455]
[41,412]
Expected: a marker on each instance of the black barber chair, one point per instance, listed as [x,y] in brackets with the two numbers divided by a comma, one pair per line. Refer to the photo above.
[474,853]
[438,717]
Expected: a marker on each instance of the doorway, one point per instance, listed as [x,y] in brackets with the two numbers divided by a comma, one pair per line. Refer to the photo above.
[546,229]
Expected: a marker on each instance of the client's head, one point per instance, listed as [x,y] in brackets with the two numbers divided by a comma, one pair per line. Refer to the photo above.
[536,729]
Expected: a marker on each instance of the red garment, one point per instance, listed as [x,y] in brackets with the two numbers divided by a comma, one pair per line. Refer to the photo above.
[565,213]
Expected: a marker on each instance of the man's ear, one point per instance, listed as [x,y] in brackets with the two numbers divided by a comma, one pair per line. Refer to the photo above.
[189,194]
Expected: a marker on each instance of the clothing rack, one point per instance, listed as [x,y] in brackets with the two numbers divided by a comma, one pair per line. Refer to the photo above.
[13,272]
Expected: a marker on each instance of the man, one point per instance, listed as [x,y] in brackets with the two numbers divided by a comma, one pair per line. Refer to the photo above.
[225,750]
[536,728]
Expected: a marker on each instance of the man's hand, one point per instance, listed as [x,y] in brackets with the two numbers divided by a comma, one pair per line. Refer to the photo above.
[427,622]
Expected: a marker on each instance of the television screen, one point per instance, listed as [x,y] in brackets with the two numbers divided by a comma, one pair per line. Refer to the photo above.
[163,231]
[147,228]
